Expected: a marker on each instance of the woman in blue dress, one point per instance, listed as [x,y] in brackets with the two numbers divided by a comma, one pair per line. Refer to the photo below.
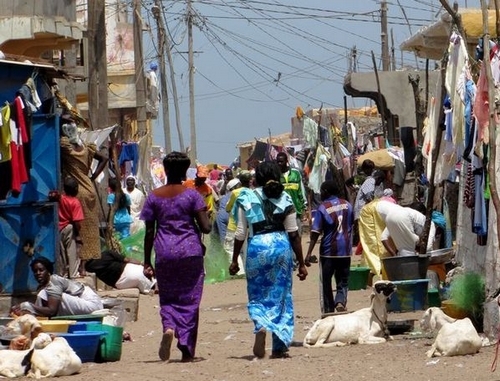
[267,215]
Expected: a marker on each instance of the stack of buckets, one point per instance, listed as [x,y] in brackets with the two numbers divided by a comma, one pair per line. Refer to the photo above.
[408,273]
[108,340]
[110,343]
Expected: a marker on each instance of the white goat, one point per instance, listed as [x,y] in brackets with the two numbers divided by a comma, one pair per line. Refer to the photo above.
[27,325]
[365,326]
[56,359]
[456,339]
[16,363]
[434,318]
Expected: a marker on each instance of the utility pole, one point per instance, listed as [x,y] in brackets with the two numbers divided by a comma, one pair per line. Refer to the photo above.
[97,64]
[352,60]
[393,51]
[384,36]
[140,80]
[193,152]
[156,10]
[173,83]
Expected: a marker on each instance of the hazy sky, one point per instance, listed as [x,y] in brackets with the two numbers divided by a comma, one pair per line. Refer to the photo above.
[257,60]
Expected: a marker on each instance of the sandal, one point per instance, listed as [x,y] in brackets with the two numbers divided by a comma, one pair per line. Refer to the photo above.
[279,355]
[339,307]
[166,344]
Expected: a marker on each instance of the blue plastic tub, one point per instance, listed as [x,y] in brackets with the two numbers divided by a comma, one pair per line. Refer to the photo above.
[84,343]
[80,326]
[410,295]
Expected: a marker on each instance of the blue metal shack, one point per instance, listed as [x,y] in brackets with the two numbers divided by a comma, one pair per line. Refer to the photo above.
[29,222]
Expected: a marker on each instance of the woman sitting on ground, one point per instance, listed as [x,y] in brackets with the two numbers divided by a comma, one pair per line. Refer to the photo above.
[58,295]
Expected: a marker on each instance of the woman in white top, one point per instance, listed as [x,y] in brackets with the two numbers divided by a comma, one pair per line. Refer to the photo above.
[58,295]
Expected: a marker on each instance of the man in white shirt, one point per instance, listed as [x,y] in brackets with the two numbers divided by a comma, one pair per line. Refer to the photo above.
[404,226]
[137,199]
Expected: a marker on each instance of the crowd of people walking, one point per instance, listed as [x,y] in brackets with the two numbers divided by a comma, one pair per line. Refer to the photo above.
[257,217]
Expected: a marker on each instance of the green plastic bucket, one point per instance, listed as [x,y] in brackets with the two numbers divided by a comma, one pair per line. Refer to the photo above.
[358,278]
[110,348]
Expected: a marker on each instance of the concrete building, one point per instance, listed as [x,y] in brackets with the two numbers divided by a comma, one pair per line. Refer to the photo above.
[37,28]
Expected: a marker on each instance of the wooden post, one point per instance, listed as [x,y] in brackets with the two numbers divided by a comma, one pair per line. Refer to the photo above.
[173,85]
[156,10]
[384,36]
[97,65]
[380,99]
[193,154]
[93,97]
[140,80]
[493,110]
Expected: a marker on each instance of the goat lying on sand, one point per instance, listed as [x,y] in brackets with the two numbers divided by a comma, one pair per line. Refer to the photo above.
[56,359]
[365,326]
[434,318]
[456,337]
[15,363]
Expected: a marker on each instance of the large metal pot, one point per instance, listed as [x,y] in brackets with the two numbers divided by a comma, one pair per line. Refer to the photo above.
[440,256]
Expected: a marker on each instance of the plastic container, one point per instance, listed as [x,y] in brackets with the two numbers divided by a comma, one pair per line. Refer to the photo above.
[358,278]
[56,325]
[433,297]
[410,267]
[410,295]
[84,343]
[88,317]
[110,346]
[80,326]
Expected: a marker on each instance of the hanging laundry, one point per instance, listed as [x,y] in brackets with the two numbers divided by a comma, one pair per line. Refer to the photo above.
[5,136]
[129,152]
[310,132]
[22,117]
[320,167]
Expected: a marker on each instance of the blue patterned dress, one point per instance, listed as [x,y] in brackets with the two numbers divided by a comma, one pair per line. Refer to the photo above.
[269,268]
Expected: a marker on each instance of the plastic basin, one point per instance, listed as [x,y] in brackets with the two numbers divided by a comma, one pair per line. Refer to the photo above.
[56,325]
[84,343]
[88,317]
[410,295]
[110,347]
[358,278]
[409,267]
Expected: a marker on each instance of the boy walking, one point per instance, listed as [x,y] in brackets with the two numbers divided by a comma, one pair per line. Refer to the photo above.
[334,218]
[70,215]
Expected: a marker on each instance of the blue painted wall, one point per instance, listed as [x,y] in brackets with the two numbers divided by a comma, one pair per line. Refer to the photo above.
[29,220]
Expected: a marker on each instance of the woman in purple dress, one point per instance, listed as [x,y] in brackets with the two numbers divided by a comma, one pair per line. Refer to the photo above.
[175,218]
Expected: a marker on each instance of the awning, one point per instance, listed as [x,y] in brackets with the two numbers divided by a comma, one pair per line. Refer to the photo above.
[431,41]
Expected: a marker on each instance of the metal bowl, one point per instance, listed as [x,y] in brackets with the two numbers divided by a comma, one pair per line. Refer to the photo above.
[440,256]
[4,320]
[6,339]
[399,327]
